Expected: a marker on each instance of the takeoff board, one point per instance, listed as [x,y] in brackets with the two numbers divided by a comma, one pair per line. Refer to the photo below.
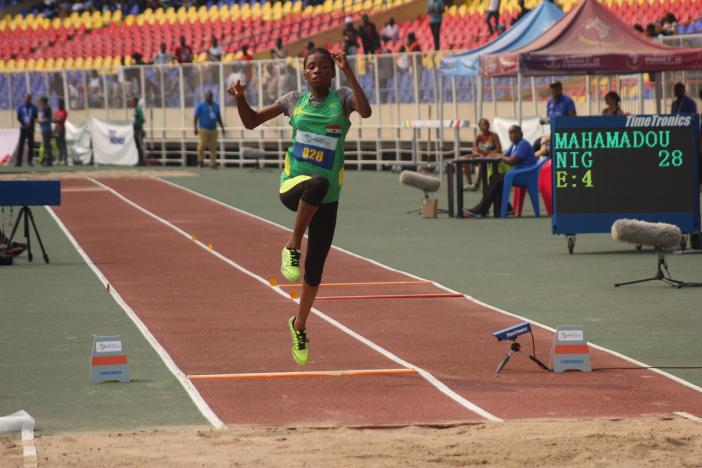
[638,166]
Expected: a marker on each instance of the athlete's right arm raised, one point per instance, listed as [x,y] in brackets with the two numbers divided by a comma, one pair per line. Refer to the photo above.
[250,117]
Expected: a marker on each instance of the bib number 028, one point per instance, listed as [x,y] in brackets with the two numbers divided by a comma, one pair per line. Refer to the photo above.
[313,154]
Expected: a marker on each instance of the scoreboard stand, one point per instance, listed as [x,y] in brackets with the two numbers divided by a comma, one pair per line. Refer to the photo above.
[607,168]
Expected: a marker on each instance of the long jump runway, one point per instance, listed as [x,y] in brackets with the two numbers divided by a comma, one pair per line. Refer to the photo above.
[408,352]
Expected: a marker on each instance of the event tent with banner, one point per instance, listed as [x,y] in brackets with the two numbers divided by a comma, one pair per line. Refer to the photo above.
[590,39]
[527,29]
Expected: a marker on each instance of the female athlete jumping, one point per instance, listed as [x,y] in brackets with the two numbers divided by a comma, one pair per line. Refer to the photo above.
[314,169]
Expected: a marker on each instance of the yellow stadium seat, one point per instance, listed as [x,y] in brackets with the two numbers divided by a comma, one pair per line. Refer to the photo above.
[31,63]
[367,5]
[235,14]
[117,17]
[78,62]
[2,65]
[50,64]
[297,7]
[88,62]
[228,57]
[59,63]
[129,21]
[287,7]
[140,20]
[201,57]
[10,65]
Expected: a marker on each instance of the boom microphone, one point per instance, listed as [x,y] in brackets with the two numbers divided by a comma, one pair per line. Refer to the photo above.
[425,183]
[661,236]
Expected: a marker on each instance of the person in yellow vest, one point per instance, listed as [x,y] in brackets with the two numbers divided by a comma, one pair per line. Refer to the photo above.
[311,180]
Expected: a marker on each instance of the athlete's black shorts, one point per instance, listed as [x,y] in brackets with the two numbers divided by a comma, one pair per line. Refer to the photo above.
[321,229]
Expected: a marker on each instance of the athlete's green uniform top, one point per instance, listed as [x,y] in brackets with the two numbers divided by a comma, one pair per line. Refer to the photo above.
[319,133]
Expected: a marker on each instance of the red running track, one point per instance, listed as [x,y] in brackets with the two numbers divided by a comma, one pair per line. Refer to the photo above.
[214,319]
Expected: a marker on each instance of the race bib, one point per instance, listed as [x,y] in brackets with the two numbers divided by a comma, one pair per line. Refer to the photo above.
[315,149]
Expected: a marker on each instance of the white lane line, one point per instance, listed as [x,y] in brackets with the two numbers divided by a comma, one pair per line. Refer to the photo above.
[426,375]
[167,360]
[440,286]
[689,416]
[29,448]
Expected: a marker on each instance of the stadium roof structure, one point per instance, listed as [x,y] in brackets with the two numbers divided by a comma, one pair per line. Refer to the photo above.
[526,30]
[590,39]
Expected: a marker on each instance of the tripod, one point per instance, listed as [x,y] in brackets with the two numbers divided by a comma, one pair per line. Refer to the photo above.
[516,347]
[25,216]
[662,274]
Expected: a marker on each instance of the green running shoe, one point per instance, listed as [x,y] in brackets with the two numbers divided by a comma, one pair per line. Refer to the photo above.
[300,351]
[290,264]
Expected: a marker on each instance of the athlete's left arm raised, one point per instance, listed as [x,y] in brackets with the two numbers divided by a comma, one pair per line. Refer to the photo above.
[359,101]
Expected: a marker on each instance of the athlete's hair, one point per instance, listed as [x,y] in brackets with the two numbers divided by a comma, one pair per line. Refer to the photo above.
[320,51]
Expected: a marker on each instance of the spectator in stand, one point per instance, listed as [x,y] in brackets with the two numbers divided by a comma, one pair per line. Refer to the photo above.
[60,117]
[436,8]
[639,28]
[162,57]
[350,37]
[183,53]
[27,116]
[683,104]
[668,24]
[138,59]
[613,101]
[519,155]
[214,53]
[207,116]
[369,35]
[523,10]
[402,59]
[138,124]
[559,104]
[278,51]
[651,30]
[45,128]
[245,54]
[391,32]
[412,44]
[493,11]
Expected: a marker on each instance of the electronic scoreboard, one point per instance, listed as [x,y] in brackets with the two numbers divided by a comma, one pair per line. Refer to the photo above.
[637,166]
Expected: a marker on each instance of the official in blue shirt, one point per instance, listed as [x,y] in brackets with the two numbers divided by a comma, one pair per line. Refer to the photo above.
[206,118]
[45,118]
[683,104]
[519,155]
[559,104]
[27,116]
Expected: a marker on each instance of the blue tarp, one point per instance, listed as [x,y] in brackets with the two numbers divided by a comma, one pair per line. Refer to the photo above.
[530,27]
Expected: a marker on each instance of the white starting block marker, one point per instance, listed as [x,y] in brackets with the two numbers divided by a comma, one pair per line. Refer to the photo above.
[570,350]
[108,360]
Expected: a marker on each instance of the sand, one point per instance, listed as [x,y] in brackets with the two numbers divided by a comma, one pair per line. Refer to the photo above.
[652,441]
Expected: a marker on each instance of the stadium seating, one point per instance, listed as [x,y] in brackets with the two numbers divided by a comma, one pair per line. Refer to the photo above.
[109,36]
[105,37]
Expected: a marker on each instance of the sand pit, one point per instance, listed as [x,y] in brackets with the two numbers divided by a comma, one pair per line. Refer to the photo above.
[653,441]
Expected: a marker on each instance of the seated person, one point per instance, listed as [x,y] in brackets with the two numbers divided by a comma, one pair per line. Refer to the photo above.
[613,102]
[519,155]
[544,148]
[486,143]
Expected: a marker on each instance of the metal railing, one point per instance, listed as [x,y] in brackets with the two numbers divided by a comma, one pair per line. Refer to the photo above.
[400,87]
